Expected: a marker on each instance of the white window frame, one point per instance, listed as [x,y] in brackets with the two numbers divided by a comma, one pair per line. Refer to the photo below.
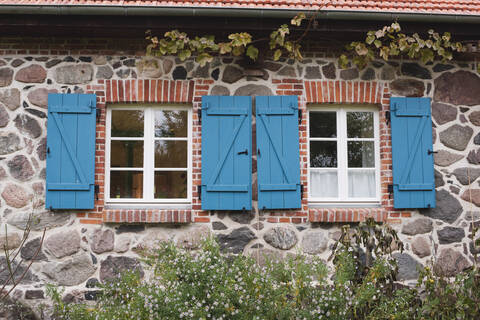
[342,156]
[148,154]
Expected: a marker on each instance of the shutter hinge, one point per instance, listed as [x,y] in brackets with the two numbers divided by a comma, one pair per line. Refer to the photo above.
[390,191]
[99,115]
[300,115]
[97,191]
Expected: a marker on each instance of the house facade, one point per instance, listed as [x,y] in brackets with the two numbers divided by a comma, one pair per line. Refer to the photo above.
[270,158]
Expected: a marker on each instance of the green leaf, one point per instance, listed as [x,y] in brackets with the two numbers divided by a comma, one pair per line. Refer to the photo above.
[370,39]
[377,43]
[297,20]
[237,51]
[204,58]
[184,54]
[252,52]
[343,61]
[277,54]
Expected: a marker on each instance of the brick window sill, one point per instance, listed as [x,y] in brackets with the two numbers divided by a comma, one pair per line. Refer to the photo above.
[147,216]
[346,214]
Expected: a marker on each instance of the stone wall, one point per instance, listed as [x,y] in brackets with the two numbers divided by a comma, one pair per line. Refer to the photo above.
[82,248]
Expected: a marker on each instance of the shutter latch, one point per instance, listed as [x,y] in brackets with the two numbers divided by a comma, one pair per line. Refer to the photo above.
[390,191]
[97,191]
[199,190]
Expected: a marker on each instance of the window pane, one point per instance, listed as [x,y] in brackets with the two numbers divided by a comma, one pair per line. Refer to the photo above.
[360,124]
[323,124]
[171,123]
[170,184]
[170,154]
[126,154]
[126,184]
[324,184]
[361,154]
[323,154]
[361,184]
[127,123]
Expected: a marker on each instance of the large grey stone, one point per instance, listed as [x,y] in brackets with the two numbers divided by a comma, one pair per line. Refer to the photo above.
[218,225]
[438,179]
[167,65]
[272,66]
[445,158]
[459,88]
[281,238]
[16,196]
[9,241]
[39,220]
[39,97]
[253,90]
[263,255]
[201,72]
[113,267]
[443,113]
[179,73]
[466,175]
[450,235]
[287,71]
[242,217]
[368,74]
[421,247]
[20,168]
[447,209]
[4,117]
[330,71]
[70,272]
[418,226]
[235,241]
[32,250]
[450,262]
[408,267]
[28,126]
[63,243]
[193,237]
[42,149]
[456,137]
[74,74]
[18,269]
[472,195]
[349,74]
[441,67]
[407,87]
[12,309]
[474,157]
[220,91]
[104,72]
[10,98]
[6,77]
[152,241]
[31,74]
[313,72]
[102,240]
[387,73]
[9,143]
[232,74]
[475,118]
[413,69]
[314,242]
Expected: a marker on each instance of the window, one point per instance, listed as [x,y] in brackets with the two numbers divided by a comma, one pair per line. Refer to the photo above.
[148,154]
[343,155]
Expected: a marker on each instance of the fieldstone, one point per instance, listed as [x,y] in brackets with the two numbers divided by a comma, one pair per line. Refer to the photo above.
[9,143]
[236,241]
[9,241]
[263,255]
[4,117]
[287,71]
[123,73]
[179,73]
[329,71]
[412,69]
[37,113]
[152,241]
[34,294]
[39,97]
[387,73]
[474,157]
[450,262]
[10,98]
[215,74]
[102,241]
[193,237]
[201,72]
[12,309]
[63,243]
[220,91]
[28,126]
[438,179]
[18,270]
[377,64]
[281,238]
[104,72]
[349,74]
[314,242]
[218,225]
[450,235]
[407,87]
[122,244]
[418,226]
[448,208]
[475,118]
[42,149]
[31,74]
[466,175]
[459,88]
[476,139]
[70,272]
[74,74]
[232,74]
[6,77]
[39,220]
[16,196]
[440,67]
[92,283]
[408,267]
[368,74]
[189,66]
[30,249]
[474,250]
[127,228]
[52,63]
[443,113]
[100,60]
[421,247]
[474,194]
[456,137]
[113,267]
[17,62]
[242,217]
[20,168]
[454,189]
[312,72]
[167,65]
[445,158]
[257,226]
[129,62]
[272,66]
[253,90]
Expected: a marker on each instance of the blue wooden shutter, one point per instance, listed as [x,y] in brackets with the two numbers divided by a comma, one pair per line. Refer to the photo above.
[413,177]
[226,153]
[278,159]
[71,151]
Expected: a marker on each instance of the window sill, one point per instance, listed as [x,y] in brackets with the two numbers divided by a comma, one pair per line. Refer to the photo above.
[148,206]
[347,205]
[330,214]
[133,214]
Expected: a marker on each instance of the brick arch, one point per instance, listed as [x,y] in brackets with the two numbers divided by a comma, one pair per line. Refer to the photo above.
[336,91]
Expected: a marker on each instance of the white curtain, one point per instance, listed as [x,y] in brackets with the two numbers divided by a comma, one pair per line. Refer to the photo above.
[361,183]
[324,184]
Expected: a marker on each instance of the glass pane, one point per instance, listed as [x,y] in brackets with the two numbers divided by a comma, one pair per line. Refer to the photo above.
[323,124]
[360,124]
[170,184]
[126,154]
[171,123]
[324,184]
[126,184]
[361,184]
[127,123]
[170,154]
[361,154]
[323,154]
